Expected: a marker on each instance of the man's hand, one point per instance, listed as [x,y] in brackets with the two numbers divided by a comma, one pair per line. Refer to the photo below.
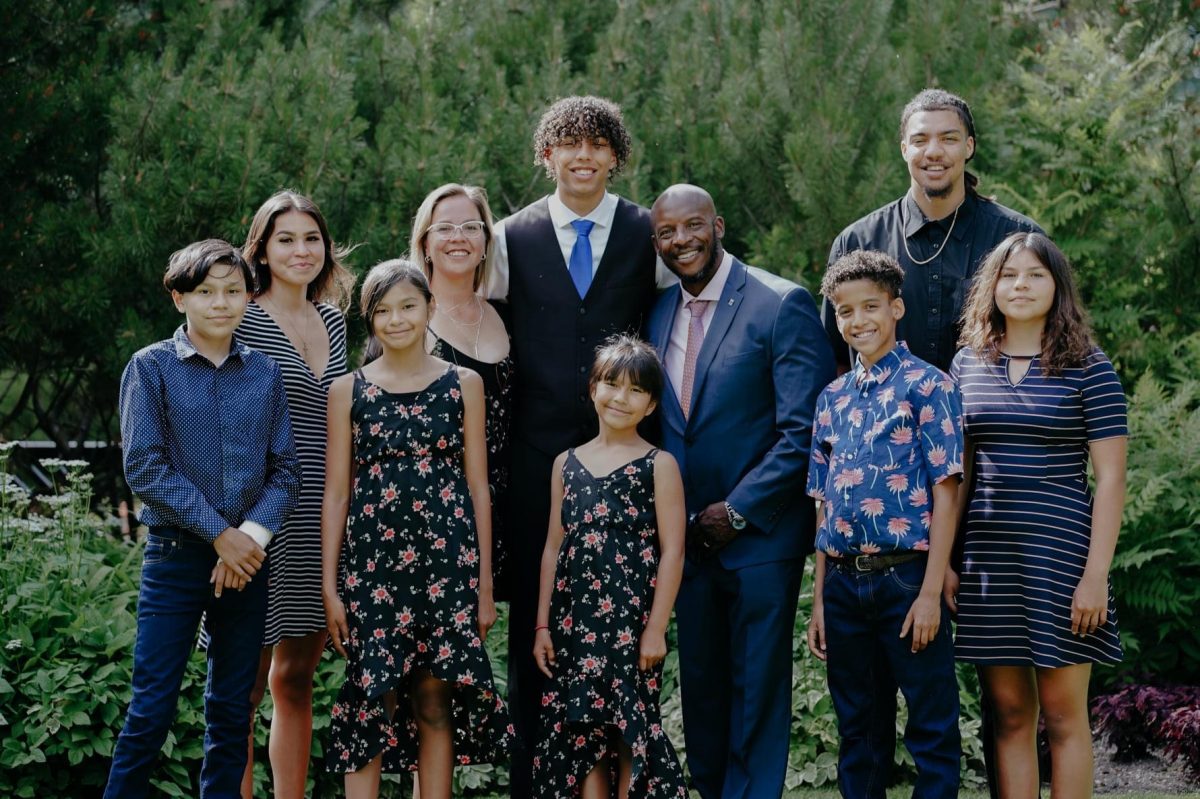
[712,531]
[923,618]
[239,553]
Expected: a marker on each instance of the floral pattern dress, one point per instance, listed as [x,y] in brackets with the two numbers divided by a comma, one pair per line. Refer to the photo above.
[603,592]
[410,573]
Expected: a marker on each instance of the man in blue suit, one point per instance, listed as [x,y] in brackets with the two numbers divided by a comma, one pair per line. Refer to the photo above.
[746,356]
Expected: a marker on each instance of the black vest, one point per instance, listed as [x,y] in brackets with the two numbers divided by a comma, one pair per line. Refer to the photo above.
[554,333]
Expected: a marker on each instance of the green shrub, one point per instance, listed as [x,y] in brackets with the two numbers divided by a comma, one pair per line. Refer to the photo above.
[1156,569]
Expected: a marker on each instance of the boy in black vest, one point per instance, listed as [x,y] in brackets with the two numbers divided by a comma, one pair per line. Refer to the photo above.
[575,267]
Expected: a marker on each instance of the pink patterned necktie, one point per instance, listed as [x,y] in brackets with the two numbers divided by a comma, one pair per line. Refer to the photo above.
[695,339]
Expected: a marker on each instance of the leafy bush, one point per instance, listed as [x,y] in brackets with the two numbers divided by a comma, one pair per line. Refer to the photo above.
[1156,569]
[1130,719]
[1140,718]
[1180,734]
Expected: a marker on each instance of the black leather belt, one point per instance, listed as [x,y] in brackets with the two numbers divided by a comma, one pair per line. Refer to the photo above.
[864,564]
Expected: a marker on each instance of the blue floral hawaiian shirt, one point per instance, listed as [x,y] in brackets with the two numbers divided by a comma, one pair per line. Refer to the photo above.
[883,437]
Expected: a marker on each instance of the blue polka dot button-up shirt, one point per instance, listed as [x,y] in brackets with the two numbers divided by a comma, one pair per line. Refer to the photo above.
[207,447]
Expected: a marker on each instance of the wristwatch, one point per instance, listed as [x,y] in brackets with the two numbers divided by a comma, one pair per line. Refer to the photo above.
[736,520]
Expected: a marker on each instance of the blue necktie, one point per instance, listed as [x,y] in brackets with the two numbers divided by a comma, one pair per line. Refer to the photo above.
[580,265]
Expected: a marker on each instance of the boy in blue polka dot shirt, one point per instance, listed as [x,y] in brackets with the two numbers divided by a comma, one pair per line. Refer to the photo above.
[208,448]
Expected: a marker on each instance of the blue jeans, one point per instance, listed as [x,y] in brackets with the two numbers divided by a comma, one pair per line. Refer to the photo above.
[175,594]
[867,662]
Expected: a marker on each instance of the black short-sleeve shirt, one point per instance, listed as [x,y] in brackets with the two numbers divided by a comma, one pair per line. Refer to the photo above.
[934,293]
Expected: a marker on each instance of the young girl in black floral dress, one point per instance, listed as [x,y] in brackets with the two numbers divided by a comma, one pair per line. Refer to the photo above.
[610,572]
[406,553]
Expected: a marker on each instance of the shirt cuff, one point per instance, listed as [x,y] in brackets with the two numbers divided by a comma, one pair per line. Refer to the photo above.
[261,535]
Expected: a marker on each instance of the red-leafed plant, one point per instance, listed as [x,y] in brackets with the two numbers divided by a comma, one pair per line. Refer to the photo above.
[1139,718]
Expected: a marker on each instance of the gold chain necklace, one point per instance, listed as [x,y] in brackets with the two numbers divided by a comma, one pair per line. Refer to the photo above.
[299,336]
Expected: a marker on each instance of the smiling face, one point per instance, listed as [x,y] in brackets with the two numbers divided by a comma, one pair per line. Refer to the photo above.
[621,405]
[295,251]
[1024,288]
[581,166]
[400,318]
[215,307]
[866,318]
[687,235]
[936,148]
[453,244]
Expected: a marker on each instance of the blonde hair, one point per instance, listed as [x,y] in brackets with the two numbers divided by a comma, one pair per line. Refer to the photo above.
[421,222]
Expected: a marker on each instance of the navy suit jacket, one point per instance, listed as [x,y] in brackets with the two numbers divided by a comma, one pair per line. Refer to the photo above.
[764,360]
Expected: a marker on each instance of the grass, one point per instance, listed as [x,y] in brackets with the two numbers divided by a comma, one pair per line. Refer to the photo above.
[905,793]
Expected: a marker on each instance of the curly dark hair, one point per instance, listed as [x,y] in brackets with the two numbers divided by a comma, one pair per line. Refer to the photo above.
[582,117]
[878,267]
[1067,337]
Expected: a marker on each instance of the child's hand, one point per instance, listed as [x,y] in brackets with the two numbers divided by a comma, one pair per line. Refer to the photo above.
[923,617]
[487,612]
[950,589]
[652,649]
[240,554]
[543,651]
[336,624]
[1089,605]
[223,578]
[816,631]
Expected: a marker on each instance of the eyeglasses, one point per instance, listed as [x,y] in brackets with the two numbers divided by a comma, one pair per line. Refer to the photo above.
[445,230]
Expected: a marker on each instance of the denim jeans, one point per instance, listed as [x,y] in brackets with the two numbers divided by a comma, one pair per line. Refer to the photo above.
[867,662]
[175,594]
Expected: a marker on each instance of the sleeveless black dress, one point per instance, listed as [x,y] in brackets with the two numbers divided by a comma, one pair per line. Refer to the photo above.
[411,574]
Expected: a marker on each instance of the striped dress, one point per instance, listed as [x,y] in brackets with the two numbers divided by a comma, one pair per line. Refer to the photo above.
[1028,526]
[295,608]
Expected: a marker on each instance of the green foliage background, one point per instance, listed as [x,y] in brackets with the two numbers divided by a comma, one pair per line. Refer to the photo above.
[133,127]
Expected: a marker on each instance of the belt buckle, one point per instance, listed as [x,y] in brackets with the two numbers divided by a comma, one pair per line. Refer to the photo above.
[862,563]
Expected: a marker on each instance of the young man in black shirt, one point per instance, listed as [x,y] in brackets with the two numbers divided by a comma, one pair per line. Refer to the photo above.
[939,231]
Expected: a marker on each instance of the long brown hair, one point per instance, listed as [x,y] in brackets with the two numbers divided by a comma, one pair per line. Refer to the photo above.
[379,281]
[335,282]
[1067,337]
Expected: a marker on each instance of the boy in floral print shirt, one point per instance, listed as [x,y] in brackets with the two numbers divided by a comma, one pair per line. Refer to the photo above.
[887,453]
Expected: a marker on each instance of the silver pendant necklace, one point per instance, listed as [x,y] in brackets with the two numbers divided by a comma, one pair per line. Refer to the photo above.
[466,326]
[940,248]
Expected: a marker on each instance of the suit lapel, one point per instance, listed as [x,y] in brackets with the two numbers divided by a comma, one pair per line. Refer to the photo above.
[667,311]
[731,298]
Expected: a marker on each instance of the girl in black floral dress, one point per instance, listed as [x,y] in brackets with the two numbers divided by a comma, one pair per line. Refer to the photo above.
[407,531]
[610,572]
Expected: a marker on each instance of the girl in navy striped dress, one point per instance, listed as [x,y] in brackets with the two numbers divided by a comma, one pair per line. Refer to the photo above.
[296,319]
[1035,609]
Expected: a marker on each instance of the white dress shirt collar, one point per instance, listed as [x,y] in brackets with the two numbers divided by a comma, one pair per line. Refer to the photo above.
[602,214]
[712,292]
